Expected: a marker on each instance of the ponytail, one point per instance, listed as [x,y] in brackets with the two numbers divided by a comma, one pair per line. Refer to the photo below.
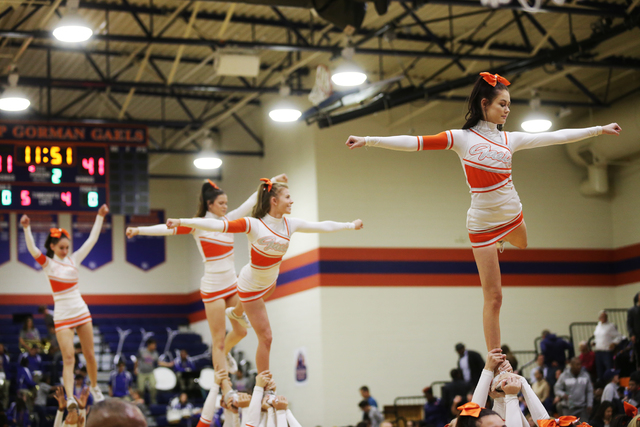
[266,190]
[480,91]
[208,194]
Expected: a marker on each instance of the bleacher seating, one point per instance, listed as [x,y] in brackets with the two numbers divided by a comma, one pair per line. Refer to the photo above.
[106,346]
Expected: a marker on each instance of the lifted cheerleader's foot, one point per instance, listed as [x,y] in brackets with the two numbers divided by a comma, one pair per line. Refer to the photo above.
[500,245]
[97,394]
[232,365]
[243,320]
[72,404]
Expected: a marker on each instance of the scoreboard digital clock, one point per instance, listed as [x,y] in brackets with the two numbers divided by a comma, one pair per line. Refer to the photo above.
[69,168]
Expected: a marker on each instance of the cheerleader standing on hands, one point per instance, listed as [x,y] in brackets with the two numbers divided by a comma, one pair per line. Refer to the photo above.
[485,150]
[218,286]
[70,311]
[269,233]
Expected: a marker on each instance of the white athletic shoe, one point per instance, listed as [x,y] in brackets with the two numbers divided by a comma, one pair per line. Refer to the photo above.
[232,365]
[97,394]
[243,320]
[72,404]
[500,245]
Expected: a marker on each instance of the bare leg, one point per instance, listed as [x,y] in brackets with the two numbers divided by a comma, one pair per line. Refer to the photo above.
[85,333]
[238,310]
[65,341]
[215,317]
[489,270]
[518,237]
[238,332]
[257,313]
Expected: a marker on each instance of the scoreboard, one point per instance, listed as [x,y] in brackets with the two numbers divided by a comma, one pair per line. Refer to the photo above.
[61,167]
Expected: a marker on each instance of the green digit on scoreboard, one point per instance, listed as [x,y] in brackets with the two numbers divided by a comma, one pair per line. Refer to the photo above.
[92,199]
[56,174]
[6,197]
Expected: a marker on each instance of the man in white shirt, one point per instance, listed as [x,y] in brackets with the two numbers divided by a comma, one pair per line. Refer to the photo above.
[606,336]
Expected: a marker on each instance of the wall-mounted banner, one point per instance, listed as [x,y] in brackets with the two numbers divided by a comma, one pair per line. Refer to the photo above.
[40,226]
[301,373]
[5,254]
[145,252]
[102,252]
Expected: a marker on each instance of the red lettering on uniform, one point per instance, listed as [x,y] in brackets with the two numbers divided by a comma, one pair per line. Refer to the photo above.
[484,151]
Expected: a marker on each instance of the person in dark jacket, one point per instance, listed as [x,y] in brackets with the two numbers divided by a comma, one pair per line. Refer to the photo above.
[633,326]
[435,413]
[470,363]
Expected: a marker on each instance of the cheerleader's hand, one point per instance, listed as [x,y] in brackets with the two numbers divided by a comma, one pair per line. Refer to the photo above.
[62,401]
[84,396]
[355,142]
[25,221]
[132,231]
[243,400]
[173,223]
[611,129]
[358,223]
[281,178]
[104,209]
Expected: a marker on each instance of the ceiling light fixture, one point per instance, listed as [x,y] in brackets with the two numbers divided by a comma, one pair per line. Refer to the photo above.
[13,99]
[536,121]
[207,159]
[72,28]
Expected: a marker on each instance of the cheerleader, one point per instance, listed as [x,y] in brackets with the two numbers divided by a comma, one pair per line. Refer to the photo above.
[218,286]
[269,233]
[70,311]
[485,150]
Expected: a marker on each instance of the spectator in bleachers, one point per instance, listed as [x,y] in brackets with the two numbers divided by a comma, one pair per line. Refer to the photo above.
[606,336]
[44,392]
[24,377]
[457,387]
[574,391]
[435,413]
[146,362]
[510,356]
[180,403]
[29,335]
[34,360]
[18,413]
[120,381]
[633,389]
[5,381]
[366,395]
[612,378]
[587,358]
[633,326]
[603,415]
[541,388]
[371,414]
[470,363]
[242,383]
[115,413]
[79,385]
[184,367]
[47,315]
[539,366]
[555,358]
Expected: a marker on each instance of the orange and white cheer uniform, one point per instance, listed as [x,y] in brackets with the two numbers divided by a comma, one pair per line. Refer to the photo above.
[220,279]
[70,310]
[268,242]
[485,153]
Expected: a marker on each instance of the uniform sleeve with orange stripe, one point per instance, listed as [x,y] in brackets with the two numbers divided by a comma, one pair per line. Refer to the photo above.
[242,225]
[88,244]
[251,417]
[162,230]
[441,141]
[31,246]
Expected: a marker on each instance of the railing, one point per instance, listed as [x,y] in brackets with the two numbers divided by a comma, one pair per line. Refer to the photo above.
[619,317]
[581,331]
[526,360]
[407,408]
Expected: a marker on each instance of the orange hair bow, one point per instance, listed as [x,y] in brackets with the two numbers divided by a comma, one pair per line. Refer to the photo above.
[268,182]
[492,79]
[564,421]
[56,233]
[470,409]
[630,410]
[583,424]
[213,184]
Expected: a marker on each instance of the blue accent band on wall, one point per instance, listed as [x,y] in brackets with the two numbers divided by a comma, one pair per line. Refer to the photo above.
[5,240]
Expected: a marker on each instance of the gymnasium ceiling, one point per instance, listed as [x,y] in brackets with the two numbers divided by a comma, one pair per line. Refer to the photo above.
[584,54]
